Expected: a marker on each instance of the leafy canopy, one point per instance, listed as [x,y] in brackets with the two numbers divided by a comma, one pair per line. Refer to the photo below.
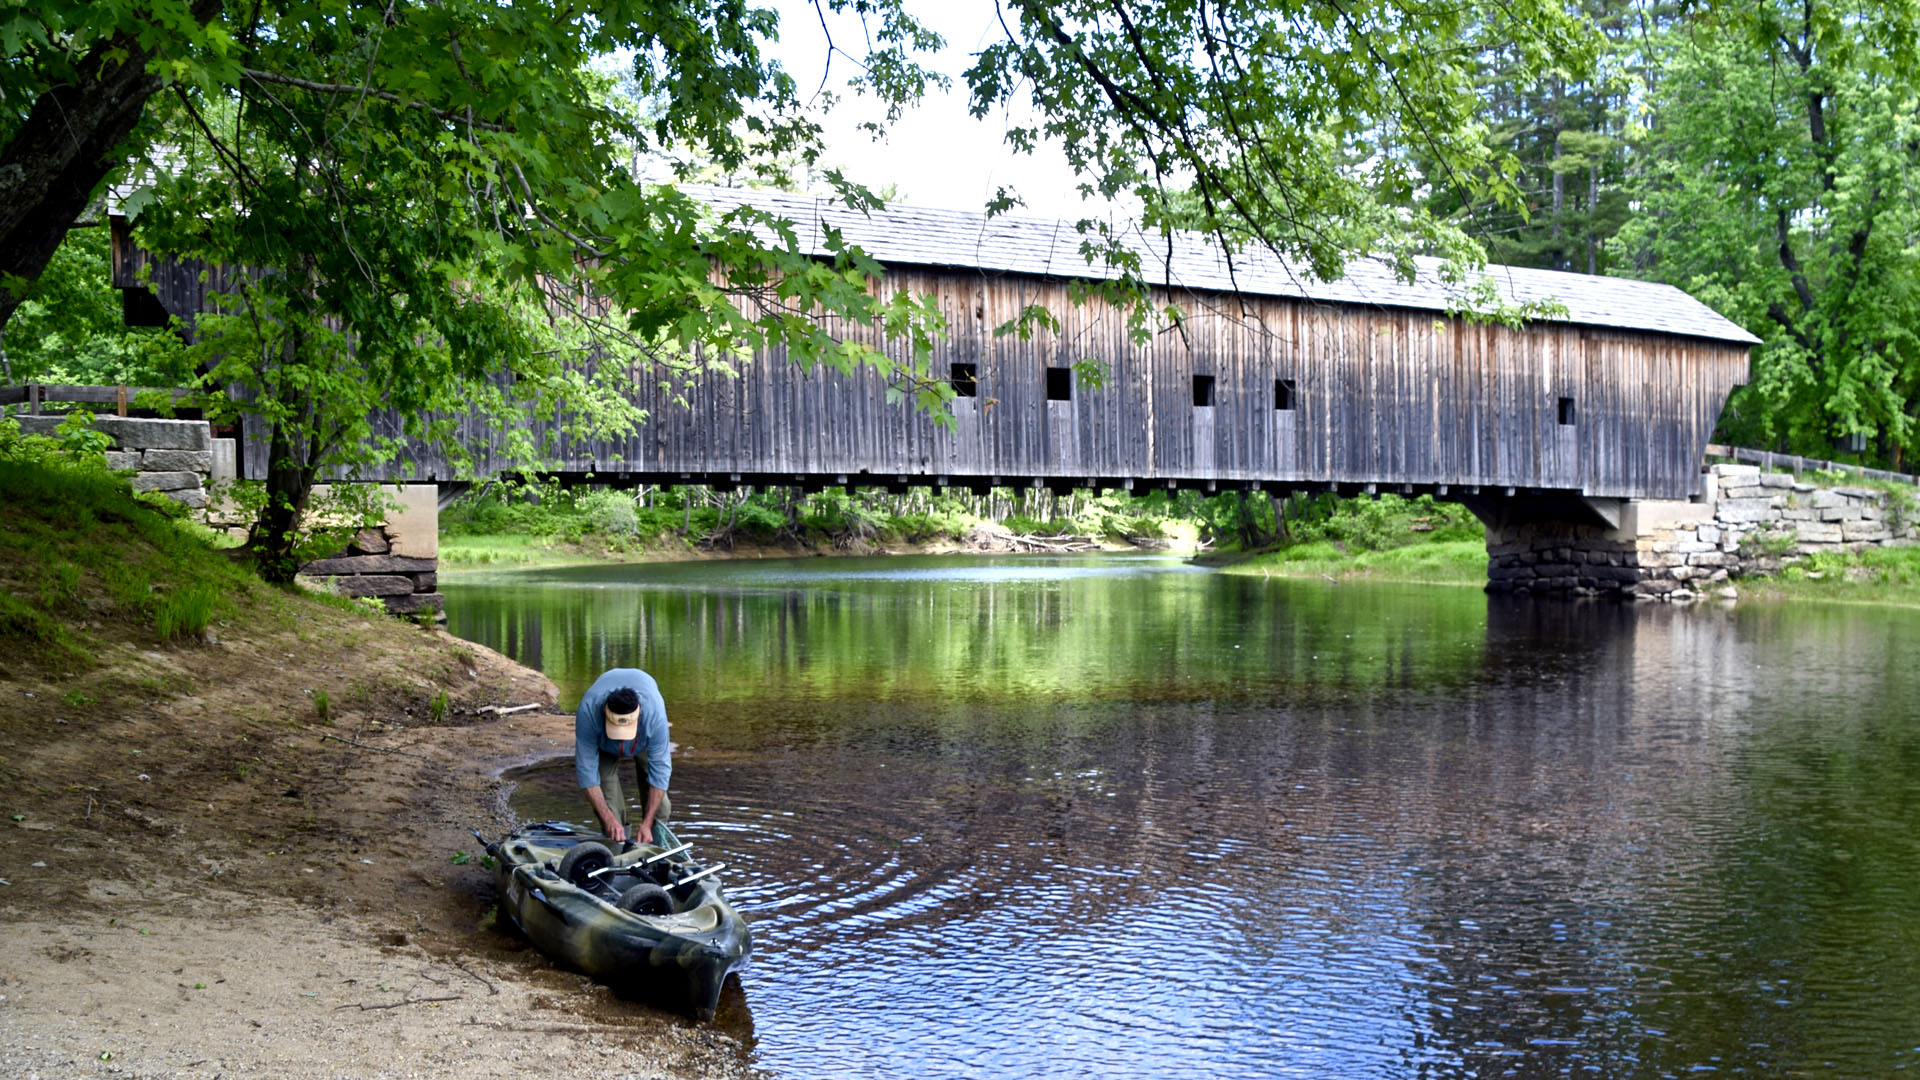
[1777,166]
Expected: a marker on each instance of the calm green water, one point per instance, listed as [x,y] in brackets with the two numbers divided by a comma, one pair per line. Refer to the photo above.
[1118,817]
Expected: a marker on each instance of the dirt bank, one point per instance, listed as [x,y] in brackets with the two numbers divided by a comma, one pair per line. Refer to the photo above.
[237,858]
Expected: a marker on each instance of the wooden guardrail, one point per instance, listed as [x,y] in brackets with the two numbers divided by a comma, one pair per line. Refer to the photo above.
[37,395]
[1767,459]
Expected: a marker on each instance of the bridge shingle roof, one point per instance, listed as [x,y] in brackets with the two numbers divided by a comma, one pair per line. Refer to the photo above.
[921,236]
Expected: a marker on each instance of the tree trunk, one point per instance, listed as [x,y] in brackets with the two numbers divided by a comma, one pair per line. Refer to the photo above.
[1559,204]
[1593,201]
[274,535]
[71,139]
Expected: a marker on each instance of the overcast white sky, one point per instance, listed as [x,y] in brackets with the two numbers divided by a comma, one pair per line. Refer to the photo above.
[938,154]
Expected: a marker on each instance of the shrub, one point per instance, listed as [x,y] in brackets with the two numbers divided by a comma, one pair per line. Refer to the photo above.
[610,513]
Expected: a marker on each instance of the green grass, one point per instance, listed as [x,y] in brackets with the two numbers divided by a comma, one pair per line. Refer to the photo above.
[1438,562]
[184,614]
[1889,576]
[80,557]
[504,551]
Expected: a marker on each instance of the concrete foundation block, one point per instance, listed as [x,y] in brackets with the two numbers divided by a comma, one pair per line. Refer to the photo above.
[226,460]
[123,459]
[165,481]
[1818,532]
[138,434]
[177,461]
[1730,473]
[1776,480]
[369,564]
[1851,531]
[372,585]
[1744,510]
[416,603]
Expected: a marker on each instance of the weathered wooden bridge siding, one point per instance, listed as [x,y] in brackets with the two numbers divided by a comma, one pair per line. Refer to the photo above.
[1381,395]
[1388,388]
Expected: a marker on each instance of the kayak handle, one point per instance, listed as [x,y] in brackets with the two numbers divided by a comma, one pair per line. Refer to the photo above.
[647,862]
[691,878]
[650,860]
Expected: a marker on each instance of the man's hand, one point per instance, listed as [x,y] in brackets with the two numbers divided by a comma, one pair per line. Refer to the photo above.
[643,834]
[609,817]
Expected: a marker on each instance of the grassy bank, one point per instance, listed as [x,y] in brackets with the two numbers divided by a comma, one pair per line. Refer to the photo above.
[1388,539]
[510,527]
[1885,576]
[1434,562]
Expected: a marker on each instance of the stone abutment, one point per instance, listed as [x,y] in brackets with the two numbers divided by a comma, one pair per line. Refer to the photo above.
[1747,522]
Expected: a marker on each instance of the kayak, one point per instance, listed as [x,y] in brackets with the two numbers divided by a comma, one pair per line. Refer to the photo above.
[649,918]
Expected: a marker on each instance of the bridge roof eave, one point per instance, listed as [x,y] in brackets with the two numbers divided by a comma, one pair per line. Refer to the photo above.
[972,242]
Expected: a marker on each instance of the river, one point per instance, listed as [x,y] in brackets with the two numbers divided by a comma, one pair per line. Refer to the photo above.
[1119,816]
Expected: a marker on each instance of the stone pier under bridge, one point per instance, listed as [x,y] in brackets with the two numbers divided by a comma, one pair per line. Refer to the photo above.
[1746,521]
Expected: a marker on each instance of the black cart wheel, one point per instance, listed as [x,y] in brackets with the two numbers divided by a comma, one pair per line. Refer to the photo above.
[582,859]
[646,899]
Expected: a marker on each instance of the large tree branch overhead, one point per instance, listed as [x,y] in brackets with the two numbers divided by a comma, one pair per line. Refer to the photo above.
[71,138]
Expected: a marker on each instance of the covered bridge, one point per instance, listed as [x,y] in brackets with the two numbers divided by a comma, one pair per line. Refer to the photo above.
[1273,380]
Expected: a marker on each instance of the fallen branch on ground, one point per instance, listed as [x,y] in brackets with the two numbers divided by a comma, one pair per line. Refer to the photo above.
[397,1004]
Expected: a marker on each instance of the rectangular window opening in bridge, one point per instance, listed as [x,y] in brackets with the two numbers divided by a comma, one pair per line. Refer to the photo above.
[1283,395]
[966,380]
[1059,384]
[1203,391]
[1566,412]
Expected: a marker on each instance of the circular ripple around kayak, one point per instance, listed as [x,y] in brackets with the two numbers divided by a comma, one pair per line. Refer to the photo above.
[813,862]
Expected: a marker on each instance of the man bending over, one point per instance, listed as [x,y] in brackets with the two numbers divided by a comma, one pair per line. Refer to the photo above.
[622,716]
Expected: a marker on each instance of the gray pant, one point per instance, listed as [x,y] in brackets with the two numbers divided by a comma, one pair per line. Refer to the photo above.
[616,795]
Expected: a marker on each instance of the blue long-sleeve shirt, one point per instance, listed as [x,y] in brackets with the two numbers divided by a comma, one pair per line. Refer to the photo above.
[590,729]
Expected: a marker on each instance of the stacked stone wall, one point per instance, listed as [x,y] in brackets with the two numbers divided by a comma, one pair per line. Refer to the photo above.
[398,561]
[367,566]
[1560,557]
[1748,522]
[172,457]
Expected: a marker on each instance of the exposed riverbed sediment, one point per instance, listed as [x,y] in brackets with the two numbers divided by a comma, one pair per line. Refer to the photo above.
[234,880]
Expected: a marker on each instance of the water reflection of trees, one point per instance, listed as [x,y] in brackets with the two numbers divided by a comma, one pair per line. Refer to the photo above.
[1098,637]
[1468,835]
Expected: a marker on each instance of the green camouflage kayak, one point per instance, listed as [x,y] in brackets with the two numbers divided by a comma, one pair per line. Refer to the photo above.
[650,919]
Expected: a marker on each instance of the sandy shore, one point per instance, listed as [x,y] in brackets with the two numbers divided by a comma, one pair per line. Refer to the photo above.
[232,881]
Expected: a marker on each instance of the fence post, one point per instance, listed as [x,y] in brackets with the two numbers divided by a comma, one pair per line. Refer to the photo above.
[33,399]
